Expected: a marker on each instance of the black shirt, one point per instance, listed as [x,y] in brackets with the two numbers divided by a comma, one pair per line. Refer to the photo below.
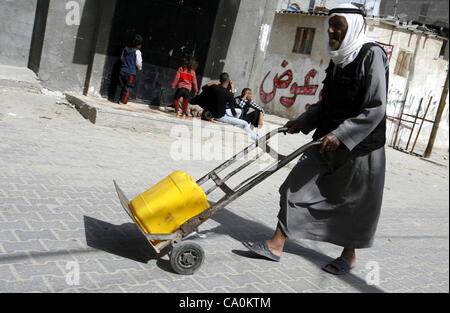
[220,97]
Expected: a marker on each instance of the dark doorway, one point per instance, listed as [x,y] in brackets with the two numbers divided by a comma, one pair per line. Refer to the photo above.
[172,30]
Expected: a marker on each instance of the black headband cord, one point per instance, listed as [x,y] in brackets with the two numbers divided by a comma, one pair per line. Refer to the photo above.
[347,11]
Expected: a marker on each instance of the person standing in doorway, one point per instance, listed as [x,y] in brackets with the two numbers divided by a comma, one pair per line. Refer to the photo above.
[131,62]
[185,80]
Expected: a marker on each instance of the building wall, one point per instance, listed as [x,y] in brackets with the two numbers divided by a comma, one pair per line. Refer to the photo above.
[239,40]
[67,49]
[429,12]
[302,66]
[426,74]
[16,33]
[426,77]
[239,59]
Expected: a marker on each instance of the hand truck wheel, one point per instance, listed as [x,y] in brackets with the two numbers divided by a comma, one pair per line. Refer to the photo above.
[186,257]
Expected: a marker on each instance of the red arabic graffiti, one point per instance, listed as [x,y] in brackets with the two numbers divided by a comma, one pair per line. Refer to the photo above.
[283,82]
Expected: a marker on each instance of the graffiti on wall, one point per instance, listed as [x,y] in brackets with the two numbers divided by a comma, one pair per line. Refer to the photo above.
[283,82]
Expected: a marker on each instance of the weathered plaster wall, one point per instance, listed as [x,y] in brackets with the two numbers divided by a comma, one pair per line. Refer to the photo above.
[16,25]
[306,69]
[426,74]
[67,49]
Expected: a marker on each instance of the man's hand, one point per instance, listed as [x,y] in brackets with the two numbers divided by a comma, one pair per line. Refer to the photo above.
[330,143]
[232,86]
[294,126]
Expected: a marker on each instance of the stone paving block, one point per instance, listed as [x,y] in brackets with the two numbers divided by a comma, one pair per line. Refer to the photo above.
[70,234]
[109,279]
[49,194]
[7,236]
[152,273]
[112,265]
[6,273]
[71,244]
[16,258]
[274,287]
[183,284]
[250,288]
[25,208]
[270,276]
[42,257]
[244,278]
[31,245]
[51,216]
[48,201]
[295,273]
[147,288]
[16,200]
[214,267]
[62,283]
[86,253]
[91,266]
[8,225]
[31,235]
[213,282]
[243,266]
[301,285]
[36,284]
[41,225]
[26,271]
[73,225]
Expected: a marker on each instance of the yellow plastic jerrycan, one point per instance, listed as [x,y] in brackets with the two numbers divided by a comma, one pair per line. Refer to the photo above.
[163,208]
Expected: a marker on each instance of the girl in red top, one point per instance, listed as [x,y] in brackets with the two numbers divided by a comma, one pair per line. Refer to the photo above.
[184,81]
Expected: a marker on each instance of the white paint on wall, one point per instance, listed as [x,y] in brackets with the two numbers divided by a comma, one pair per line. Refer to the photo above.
[264,37]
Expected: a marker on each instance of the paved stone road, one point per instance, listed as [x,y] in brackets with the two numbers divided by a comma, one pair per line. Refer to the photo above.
[58,205]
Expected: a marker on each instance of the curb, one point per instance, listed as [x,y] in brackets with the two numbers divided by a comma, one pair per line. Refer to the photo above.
[434,162]
[87,111]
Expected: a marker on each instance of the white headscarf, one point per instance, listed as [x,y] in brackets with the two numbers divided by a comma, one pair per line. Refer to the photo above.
[354,39]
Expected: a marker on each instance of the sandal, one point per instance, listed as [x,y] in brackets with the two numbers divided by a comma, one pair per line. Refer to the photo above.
[340,264]
[262,249]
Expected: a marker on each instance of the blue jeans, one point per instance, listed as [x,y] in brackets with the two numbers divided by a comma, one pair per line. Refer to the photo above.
[240,123]
[238,112]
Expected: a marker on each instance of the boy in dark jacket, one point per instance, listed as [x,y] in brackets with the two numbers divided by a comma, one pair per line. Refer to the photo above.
[131,59]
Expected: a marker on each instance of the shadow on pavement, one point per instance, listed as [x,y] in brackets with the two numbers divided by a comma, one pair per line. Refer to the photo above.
[123,240]
[242,229]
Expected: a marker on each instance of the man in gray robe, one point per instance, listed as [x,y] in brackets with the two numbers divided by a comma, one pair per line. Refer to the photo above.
[334,193]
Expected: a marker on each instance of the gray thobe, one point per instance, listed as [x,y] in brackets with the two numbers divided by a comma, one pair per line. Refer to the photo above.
[336,196]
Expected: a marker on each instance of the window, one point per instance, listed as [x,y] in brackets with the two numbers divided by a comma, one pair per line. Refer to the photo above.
[304,40]
[403,60]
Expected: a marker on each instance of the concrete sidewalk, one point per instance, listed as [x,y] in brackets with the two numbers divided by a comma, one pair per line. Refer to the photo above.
[19,77]
[142,117]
